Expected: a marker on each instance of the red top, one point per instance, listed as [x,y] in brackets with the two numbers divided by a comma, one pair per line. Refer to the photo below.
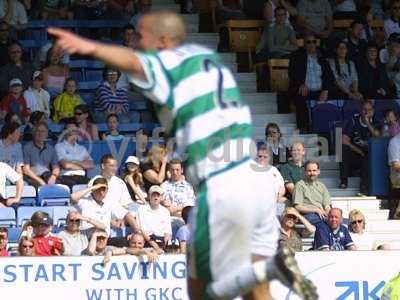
[10,103]
[4,252]
[47,245]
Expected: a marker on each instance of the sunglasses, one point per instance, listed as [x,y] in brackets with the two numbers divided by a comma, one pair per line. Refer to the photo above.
[74,220]
[309,42]
[293,217]
[356,221]
[101,238]
[27,246]
[78,114]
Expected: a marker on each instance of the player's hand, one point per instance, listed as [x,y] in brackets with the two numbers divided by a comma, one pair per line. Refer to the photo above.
[71,43]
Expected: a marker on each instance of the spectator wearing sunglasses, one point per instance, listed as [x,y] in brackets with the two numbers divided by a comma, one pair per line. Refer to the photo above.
[310,78]
[26,247]
[289,236]
[391,25]
[363,240]
[74,240]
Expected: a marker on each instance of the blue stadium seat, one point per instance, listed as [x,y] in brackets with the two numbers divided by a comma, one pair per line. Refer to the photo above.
[24,213]
[53,194]
[60,215]
[350,108]
[77,75]
[102,126]
[13,234]
[28,194]
[86,64]
[88,85]
[101,23]
[94,75]
[129,127]
[78,187]
[381,106]
[322,114]
[56,128]
[7,217]
[137,105]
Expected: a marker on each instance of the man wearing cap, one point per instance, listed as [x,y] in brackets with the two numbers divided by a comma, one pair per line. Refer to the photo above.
[15,101]
[100,206]
[155,220]
[37,98]
[178,193]
[116,186]
[44,242]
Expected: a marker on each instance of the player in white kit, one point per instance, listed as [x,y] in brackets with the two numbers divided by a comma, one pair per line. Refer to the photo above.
[198,103]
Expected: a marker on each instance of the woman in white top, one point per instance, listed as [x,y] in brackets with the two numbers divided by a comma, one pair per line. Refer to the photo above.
[362,239]
[346,78]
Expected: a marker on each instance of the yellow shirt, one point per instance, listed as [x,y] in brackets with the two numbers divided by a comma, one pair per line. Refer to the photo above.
[64,106]
[391,290]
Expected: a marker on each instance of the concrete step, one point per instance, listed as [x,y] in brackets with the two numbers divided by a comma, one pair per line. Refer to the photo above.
[209,40]
[265,108]
[361,203]
[387,226]
[263,119]
[349,192]
[333,183]
[259,98]
[246,77]
[232,66]
[329,173]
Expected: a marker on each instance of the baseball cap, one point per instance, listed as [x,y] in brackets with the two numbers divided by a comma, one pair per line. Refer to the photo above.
[15,81]
[37,75]
[132,159]
[156,189]
[42,220]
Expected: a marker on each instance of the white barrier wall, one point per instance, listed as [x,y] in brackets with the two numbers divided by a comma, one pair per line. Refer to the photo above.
[358,275]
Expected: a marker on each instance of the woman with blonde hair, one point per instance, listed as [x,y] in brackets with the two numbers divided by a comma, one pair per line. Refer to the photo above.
[25,246]
[154,166]
[363,240]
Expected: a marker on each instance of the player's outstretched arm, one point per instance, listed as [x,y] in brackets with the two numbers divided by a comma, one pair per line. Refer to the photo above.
[119,57]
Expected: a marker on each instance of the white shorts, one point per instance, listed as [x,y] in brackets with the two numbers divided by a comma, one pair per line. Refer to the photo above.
[229,207]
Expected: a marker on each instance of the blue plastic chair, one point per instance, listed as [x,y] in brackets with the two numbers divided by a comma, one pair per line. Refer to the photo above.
[53,194]
[350,108]
[77,75]
[322,114]
[13,234]
[129,127]
[7,217]
[381,106]
[24,213]
[93,75]
[88,85]
[60,215]
[56,128]
[28,194]
[137,105]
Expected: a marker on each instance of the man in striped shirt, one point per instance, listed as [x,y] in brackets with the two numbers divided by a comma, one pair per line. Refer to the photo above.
[198,102]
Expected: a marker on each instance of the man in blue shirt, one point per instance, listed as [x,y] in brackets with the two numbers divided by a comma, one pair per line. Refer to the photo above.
[334,236]
[356,135]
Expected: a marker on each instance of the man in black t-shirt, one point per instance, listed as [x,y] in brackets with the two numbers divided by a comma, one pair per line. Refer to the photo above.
[356,135]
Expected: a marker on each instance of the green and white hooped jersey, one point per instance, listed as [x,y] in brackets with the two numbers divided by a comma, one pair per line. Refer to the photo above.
[198,102]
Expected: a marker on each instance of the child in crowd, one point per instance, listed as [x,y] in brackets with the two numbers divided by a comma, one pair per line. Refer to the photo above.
[112,125]
[392,121]
[45,243]
[37,98]
[183,234]
[66,102]
[3,242]
[15,101]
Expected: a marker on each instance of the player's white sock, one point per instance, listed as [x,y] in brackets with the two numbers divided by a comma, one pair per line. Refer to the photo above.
[241,281]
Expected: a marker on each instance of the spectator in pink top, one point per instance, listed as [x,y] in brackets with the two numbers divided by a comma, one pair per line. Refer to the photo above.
[3,242]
